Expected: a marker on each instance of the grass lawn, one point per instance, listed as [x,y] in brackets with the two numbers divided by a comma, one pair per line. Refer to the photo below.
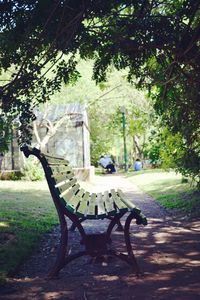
[26,212]
[167,188]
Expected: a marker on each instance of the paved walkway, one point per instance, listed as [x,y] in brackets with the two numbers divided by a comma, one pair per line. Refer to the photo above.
[167,251]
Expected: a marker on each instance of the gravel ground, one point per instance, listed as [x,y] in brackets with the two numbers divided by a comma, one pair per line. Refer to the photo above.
[167,251]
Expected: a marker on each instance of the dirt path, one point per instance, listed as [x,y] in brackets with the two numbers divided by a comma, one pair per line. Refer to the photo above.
[167,251]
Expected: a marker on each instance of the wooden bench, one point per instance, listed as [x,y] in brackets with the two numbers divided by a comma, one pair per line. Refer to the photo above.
[73,202]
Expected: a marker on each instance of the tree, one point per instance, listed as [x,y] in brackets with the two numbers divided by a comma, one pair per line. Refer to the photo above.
[102,102]
[51,126]
[158,41]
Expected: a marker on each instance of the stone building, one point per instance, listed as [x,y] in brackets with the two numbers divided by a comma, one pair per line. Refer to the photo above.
[60,130]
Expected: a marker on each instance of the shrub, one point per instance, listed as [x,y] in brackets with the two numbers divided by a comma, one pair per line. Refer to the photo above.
[32,170]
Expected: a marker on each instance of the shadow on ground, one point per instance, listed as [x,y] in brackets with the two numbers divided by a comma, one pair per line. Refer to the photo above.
[167,251]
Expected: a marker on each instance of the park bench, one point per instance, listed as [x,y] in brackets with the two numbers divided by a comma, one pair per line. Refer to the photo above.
[73,202]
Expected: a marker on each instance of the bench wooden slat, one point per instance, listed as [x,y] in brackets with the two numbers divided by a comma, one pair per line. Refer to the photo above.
[50,159]
[66,174]
[127,202]
[82,209]
[64,187]
[56,161]
[70,193]
[117,200]
[100,204]
[108,202]
[62,177]
[76,199]
[57,169]
[92,204]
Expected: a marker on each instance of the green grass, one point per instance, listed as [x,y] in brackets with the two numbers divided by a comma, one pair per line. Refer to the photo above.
[169,190]
[26,212]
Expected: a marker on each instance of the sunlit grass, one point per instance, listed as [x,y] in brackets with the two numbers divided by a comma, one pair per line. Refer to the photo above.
[4,224]
[168,189]
[26,212]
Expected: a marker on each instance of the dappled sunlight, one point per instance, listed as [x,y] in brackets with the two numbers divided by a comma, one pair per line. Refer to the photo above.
[170,187]
[17,185]
[169,258]
[193,263]
[193,253]
[187,288]
[156,177]
[106,278]
[4,224]
[141,234]
[162,237]
[195,226]
[153,221]
[57,295]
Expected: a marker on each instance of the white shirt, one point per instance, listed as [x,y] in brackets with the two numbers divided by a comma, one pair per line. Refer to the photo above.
[108,160]
[103,162]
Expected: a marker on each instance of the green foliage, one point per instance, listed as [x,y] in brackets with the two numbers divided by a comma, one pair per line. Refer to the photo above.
[153,146]
[32,170]
[37,36]
[11,175]
[101,138]
[153,153]
[171,151]
[5,133]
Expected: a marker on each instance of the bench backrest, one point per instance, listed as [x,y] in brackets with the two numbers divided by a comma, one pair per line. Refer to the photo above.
[66,190]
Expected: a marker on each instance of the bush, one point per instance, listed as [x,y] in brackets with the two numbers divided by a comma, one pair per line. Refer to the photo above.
[32,170]
[10,175]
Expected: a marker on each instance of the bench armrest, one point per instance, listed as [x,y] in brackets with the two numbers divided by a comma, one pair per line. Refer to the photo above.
[27,150]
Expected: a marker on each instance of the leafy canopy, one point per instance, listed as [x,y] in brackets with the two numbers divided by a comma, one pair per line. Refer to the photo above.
[158,41]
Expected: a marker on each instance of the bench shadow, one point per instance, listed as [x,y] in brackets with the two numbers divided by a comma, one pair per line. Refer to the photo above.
[167,251]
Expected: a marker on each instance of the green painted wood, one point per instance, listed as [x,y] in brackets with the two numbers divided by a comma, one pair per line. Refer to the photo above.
[64,187]
[91,205]
[70,193]
[60,169]
[117,200]
[141,219]
[82,209]
[51,159]
[63,182]
[55,161]
[109,205]
[61,178]
[101,205]
[127,202]
[76,199]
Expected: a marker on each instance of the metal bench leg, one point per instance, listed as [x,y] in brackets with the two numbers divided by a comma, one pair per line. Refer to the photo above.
[118,222]
[60,259]
[115,220]
[131,256]
[119,226]
[74,225]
